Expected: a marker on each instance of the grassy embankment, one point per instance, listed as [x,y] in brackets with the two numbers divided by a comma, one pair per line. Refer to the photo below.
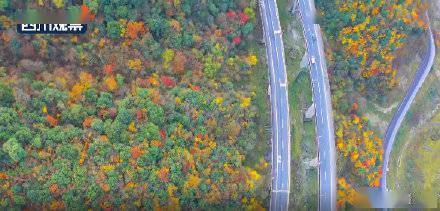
[259,81]
[304,183]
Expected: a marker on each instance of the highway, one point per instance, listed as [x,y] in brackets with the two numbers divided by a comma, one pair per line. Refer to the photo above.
[420,76]
[280,161]
[323,107]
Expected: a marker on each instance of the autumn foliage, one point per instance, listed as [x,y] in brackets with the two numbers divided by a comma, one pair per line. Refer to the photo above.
[364,41]
[362,148]
[371,34]
[347,194]
[135,30]
[132,114]
[51,120]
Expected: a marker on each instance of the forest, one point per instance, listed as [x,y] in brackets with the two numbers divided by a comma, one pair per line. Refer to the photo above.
[364,38]
[150,109]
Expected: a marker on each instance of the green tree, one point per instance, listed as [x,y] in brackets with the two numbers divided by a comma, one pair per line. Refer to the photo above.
[3,5]
[156,114]
[93,5]
[23,135]
[90,95]
[14,150]
[68,151]
[36,142]
[8,123]
[114,29]
[6,95]
[105,100]
[122,12]
[62,173]
[247,28]
[93,193]
[74,115]
[158,26]
[98,125]
[53,97]
[38,194]
[148,132]
[74,199]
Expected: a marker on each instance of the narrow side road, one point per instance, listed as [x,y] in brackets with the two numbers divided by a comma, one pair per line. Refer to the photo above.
[421,74]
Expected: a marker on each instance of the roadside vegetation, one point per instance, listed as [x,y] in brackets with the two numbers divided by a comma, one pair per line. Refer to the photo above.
[417,145]
[413,168]
[365,41]
[304,177]
[419,127]
[162,104]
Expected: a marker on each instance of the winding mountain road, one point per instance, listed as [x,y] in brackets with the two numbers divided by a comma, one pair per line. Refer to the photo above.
[280,162]
[420,76]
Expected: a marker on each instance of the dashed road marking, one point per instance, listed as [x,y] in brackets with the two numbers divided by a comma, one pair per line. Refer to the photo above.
[281,191]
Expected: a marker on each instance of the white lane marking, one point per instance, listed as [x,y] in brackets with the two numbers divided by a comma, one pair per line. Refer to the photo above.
[282,83]
[276,105]
[271,68]
[281,191]
[276,116]
[310,5]
[283,69]
[276,14]
[319,86]
[275,97]
[325,102]
[329,124]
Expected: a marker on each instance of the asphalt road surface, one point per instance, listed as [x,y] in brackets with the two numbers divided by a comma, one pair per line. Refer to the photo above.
[390,135]
[323,107]
[280,184]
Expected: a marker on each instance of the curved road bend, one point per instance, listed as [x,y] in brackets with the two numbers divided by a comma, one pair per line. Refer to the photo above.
[323,107]
[421,74]
[280,184]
